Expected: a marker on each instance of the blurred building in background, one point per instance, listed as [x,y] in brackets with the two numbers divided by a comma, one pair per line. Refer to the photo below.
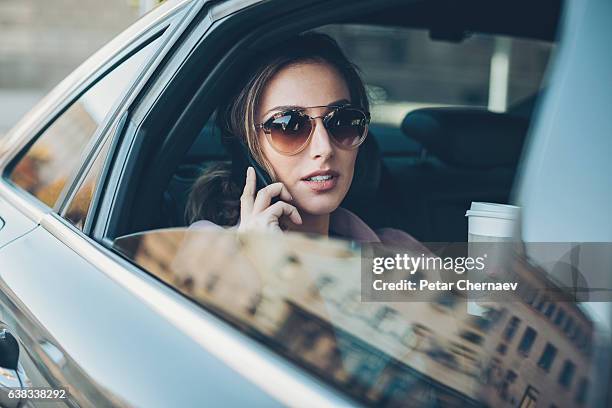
[41,42]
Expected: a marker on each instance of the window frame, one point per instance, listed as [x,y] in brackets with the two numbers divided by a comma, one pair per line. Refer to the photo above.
[109,129]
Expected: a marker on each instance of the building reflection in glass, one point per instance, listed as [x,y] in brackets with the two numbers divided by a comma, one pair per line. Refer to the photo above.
[301,297]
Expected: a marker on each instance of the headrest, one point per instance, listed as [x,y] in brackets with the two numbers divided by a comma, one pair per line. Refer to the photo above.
[468,137]
[367,170]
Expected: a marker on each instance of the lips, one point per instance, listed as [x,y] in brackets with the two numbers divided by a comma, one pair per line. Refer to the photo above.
[321,180]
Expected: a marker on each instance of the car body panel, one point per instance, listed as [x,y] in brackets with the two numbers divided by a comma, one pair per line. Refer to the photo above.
[100,365]
[13,223]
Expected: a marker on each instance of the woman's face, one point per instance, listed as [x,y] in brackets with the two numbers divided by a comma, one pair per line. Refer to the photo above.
[304,85]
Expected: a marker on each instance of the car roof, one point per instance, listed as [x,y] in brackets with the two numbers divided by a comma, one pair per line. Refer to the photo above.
[452,20]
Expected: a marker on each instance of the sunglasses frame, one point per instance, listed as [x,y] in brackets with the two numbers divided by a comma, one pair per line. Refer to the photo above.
[334,109]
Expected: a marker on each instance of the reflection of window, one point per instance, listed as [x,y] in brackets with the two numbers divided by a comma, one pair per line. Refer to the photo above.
[548,356]
[511,328]
[550,309]
[504,390]
[471,337]
[480,322]
[527,341]
[541,304]
[569,324]
[560,317]
[567,373]
[530,398]
[581,391]
[47,165]
[79,206]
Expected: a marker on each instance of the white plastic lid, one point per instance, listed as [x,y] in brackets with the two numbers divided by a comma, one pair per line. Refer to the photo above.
[495,210]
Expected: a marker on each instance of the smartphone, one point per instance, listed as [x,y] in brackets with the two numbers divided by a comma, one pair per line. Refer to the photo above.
[241,160]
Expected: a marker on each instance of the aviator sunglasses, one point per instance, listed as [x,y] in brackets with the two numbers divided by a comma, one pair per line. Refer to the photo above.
[290,131]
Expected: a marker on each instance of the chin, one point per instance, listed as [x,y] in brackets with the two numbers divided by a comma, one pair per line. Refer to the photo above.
[319,205]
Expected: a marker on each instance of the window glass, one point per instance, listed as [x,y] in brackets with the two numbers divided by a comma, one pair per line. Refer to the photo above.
[405,69]
[79,206]
[56,154]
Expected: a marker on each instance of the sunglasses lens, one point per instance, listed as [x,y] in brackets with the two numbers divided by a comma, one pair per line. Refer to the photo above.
[289,131]
[347,127]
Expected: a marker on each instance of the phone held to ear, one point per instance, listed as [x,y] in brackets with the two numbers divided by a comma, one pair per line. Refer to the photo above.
[241,160]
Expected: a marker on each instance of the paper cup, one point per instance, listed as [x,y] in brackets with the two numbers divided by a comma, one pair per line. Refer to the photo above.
[490,225]
[492,222]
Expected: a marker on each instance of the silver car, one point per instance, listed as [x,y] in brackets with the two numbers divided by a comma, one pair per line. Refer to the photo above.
[108,298]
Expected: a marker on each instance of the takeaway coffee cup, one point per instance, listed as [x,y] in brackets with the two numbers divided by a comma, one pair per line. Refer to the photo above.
[491,227]
[492,222]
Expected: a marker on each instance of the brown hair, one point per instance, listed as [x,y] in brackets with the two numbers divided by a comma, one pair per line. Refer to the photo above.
[215,196]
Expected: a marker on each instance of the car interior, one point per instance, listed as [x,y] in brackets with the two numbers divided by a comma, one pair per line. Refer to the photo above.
[425,171]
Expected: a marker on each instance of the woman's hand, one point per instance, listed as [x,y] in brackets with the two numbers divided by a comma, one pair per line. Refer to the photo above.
[256,213]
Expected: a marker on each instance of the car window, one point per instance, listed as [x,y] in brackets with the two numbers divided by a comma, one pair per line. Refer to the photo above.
[48,163]
[78,208]
[305,298]
[405,69]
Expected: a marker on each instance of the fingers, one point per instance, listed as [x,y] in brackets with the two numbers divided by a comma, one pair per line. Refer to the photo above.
[265,195]
[255,209]
[280,208]
[247,198]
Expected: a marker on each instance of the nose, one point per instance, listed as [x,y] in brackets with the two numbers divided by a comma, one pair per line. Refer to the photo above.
[321,145]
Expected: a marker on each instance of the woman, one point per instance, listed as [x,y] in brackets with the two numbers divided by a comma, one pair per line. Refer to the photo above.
[302,116]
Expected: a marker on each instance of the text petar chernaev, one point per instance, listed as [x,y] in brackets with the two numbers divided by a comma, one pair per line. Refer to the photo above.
[408,264]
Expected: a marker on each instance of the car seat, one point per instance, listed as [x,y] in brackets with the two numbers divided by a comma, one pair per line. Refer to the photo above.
[468,155]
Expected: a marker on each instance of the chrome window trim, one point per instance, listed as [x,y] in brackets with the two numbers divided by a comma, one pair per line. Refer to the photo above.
[178,52]
[113,118]
[110,136]
[31,208]
[270,372]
